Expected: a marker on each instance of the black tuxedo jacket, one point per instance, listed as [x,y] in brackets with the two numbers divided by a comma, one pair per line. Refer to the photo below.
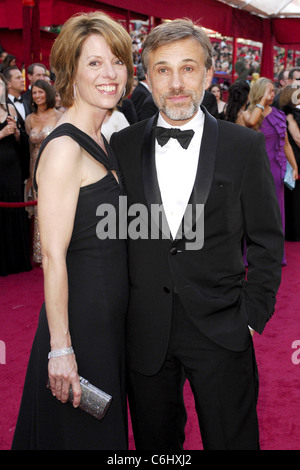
[139,94]
[24,139]
[237,189]
[26,96]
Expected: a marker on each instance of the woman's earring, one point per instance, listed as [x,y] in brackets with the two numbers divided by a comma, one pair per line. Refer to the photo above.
[124,92]
[74,92]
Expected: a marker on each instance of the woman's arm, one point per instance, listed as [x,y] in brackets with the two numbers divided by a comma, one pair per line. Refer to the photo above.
[290,157]
[252,118]
[59,179]
[293,129]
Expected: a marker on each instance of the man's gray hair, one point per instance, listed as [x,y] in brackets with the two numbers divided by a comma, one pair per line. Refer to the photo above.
[176,30]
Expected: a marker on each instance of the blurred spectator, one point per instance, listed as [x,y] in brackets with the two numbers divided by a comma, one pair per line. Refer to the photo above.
[58,105]
[35,72]
[8,61]
[293,74]
[128,109]
[217,91]
[14,233]
[15,86]
[237,102]
[39,124]
[114,121]
[289,106]
[243,68]
[140,92]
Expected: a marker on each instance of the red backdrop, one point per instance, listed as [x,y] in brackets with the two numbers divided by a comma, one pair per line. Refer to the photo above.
[29,45]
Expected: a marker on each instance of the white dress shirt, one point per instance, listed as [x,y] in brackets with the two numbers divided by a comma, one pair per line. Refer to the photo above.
[176,170]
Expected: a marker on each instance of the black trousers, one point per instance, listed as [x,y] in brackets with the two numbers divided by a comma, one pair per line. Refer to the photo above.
[224,385]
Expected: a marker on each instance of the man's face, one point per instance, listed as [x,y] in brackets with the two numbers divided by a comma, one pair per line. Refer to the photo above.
[39,73]
[285,79]
[178,79]
[16,83]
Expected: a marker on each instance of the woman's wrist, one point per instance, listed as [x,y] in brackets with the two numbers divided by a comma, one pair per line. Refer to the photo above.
[60,341]
[260,106]
[60,352]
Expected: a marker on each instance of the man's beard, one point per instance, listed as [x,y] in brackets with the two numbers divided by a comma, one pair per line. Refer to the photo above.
[179,112]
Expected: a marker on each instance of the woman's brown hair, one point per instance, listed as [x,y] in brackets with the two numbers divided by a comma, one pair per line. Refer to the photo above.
[67,48]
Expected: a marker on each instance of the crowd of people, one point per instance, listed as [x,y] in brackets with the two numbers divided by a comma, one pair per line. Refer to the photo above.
[87,138]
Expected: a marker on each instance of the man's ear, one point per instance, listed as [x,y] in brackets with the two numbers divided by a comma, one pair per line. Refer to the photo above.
[208,78]
[148,82]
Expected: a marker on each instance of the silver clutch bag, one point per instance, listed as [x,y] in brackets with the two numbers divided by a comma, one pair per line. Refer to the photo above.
[94,401]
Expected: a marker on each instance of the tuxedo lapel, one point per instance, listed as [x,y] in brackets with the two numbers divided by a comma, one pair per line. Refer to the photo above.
[150,180]
[204,176]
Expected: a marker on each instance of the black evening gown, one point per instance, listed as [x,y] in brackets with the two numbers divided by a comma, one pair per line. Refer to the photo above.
[292,197]
[14,226]
[98,297]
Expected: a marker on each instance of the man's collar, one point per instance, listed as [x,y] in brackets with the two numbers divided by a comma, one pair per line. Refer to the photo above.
[12,97]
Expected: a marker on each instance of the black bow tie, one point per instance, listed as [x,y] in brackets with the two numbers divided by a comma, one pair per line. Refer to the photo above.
[18,99]
[163,134]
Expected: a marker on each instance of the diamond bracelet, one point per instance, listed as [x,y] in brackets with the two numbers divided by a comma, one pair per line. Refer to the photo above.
[60,352]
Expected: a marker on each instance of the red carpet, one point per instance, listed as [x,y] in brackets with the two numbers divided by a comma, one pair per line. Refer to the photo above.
[21,297]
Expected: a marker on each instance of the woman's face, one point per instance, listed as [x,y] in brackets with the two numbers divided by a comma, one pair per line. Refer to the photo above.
[215,91]
[270,93]
[38,96]
[101,76]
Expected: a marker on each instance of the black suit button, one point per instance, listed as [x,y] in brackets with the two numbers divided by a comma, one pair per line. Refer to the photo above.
[173,251]
[166,290]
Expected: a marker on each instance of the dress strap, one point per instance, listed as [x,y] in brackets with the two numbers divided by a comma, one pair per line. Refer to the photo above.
[85,141]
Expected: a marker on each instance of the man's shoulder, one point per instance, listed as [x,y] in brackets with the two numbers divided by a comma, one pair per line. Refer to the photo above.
[236,132]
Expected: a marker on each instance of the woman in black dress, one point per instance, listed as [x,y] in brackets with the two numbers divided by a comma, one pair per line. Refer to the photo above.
[85,269]
[289,103]
[14,233]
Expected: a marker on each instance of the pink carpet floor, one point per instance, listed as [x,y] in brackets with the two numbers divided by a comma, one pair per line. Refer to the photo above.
[21,297]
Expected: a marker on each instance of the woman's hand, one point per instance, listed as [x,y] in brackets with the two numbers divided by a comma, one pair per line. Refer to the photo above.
[10,128]
[295,173]
[63,373]
[268,95]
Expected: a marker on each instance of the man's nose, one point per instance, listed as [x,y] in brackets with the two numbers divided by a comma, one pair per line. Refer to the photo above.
[176,80]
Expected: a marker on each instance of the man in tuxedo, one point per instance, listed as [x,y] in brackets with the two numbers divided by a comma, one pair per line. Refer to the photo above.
[141,91]
[35,72]
[15,86]
[192,312]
